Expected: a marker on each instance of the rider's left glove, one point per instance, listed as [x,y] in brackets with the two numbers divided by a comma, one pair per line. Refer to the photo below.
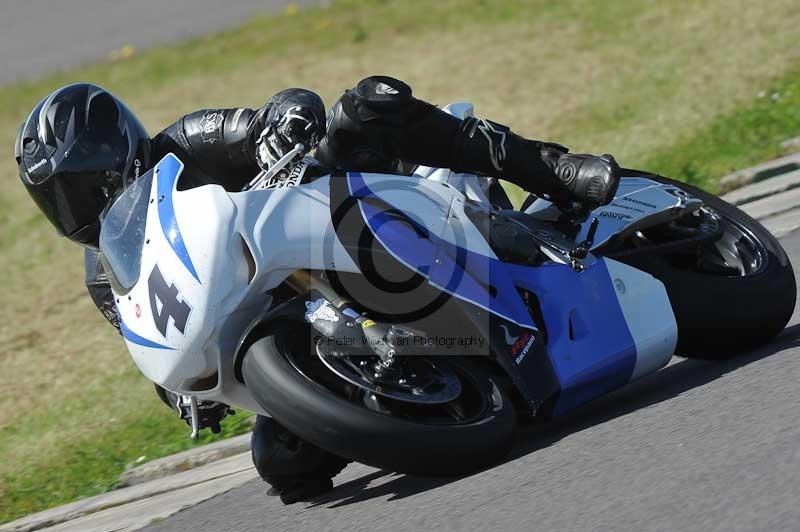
[291,117]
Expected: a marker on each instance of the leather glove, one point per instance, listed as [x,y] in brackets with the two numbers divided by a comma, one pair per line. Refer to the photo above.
[591,180]
[291,117]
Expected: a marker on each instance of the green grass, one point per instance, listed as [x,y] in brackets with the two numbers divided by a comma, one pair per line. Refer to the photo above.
[668,85]
[86,467]
[748,134]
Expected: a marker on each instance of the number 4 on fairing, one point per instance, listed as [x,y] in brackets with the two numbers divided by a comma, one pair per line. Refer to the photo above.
[171,306]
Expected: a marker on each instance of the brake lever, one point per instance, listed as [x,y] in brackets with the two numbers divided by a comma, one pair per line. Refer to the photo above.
[548,247]
[582,249]
[265,175]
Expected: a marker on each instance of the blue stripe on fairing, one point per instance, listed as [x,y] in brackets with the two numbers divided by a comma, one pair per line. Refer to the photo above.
[597,356]
[456,270]
[139,340]
[167,172]
[597,353]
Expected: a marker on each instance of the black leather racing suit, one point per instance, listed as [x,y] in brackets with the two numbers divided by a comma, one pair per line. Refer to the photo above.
[370,128]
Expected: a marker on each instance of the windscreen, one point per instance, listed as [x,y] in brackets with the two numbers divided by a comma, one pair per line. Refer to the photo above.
[122,235]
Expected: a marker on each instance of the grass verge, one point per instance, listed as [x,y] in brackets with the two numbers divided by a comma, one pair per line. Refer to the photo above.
[749,134]
[673,86]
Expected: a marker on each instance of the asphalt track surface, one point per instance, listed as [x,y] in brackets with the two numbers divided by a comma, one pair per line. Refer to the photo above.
[41,36]
[706,446]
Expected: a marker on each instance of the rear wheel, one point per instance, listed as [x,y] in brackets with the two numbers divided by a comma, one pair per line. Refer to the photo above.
[470,431]
[730,291]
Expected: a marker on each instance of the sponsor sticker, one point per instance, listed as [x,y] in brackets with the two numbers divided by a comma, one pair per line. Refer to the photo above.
[37,165]
[522,346]
[211,127]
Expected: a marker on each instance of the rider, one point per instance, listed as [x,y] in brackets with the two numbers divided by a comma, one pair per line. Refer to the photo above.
[81,146]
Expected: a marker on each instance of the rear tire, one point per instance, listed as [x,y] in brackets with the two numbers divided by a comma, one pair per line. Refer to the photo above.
[349,429]
[720,316]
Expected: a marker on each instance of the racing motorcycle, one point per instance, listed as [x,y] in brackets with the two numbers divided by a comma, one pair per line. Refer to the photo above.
[410,321]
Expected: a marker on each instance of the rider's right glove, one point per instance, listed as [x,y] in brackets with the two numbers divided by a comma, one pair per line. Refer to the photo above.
[592,180]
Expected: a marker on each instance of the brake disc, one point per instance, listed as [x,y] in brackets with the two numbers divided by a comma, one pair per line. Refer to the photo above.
[429,383]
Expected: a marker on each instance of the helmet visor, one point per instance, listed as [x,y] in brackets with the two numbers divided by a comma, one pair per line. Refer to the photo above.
[82,183]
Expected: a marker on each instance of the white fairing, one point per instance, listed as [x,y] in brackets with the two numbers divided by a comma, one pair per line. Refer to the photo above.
[638,204]
[284,229]
[648,314]
[223,252]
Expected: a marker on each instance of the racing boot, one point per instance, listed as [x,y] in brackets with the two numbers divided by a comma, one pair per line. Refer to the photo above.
[543,168]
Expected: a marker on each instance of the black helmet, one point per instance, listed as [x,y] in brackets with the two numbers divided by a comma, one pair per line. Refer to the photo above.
[79,148]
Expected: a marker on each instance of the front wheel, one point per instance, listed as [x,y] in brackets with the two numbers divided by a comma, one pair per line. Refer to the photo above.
[473,430]
[729,293]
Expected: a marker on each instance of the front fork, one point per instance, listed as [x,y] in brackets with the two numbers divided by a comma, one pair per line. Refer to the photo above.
[528,364]
[375,357]
[383,340]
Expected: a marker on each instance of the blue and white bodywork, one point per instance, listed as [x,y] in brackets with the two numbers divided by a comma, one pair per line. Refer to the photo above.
[192,268]
[607,324]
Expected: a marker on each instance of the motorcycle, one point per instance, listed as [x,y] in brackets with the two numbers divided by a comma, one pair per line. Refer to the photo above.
[410,321]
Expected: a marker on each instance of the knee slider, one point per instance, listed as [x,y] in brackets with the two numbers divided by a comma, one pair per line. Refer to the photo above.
[277,452]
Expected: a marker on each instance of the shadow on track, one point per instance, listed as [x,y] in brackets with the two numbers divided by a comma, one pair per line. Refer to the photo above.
[653,389]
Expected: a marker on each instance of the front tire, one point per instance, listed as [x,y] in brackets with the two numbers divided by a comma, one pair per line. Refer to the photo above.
[347,428]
